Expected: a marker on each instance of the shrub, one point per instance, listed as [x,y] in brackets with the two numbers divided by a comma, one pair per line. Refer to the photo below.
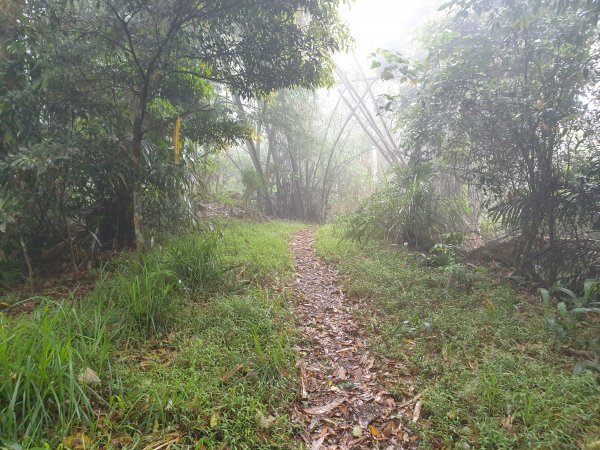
[568,319]
[410,209]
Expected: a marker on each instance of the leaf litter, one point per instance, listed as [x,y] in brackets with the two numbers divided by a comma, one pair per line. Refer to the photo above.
[344,401]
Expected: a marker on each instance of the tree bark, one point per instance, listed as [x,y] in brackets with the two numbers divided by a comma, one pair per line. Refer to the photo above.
[136,155]
[10,12]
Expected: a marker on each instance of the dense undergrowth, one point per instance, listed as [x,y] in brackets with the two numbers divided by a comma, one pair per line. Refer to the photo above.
[182,346]
[491,372]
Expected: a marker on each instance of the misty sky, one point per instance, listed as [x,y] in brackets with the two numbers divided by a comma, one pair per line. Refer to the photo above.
[391,24]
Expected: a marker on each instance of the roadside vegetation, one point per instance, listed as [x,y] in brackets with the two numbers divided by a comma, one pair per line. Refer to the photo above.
[187,346]
[491,369]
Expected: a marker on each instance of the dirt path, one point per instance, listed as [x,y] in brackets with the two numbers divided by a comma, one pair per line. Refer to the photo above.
[345,404]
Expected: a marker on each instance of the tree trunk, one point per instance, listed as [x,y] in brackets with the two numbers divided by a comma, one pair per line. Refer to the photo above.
[138,213]
[10,12]
[136,155]
[253,148]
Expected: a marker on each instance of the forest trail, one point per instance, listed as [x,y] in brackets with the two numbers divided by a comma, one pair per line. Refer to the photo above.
[344,402]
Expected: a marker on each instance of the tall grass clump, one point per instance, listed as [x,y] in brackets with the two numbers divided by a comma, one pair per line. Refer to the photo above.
[413,207]
[147,291]
[146,296]
[196,262]
[43,391]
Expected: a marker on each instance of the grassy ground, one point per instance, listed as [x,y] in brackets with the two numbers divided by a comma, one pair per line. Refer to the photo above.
[488,366]
[181,347]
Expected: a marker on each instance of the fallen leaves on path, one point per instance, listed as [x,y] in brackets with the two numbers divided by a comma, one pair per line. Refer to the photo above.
[344,400]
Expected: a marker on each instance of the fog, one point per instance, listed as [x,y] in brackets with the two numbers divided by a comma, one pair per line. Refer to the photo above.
[391,24]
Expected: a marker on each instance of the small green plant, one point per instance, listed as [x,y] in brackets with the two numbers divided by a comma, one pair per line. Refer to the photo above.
[490,389]
[253,184]
[270,359]
[570,314]
[448,352]
[526,413]
[444,253]
[570,307]
[588,302]
[440,255]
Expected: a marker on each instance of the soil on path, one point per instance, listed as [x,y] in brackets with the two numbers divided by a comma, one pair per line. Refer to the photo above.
[344,401]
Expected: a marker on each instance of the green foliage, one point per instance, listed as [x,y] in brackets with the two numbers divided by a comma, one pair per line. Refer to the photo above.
[586,303]
[489,370]
[149,290]
[302,160]
[253,184]
[409,210]
[315,163]
[567,317]
[89,95]
[486,103]
[444,254]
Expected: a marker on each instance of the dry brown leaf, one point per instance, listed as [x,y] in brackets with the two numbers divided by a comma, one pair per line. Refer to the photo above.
[317,444]
[263,421]
[121,441]
[166,443]
[88,376]
[325,408]
[357,441]
[232,372]
[578,353]
[417,412]
[389,429]
[340,373]
[324,432]
[410,401]
[77,441]
[145,364]
[374,431]
[303,384]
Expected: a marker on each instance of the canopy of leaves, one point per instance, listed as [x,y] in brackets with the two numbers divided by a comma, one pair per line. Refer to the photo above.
[504,98]
[91,92]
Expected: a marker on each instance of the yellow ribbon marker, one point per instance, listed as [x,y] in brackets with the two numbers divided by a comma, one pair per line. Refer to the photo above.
[176,140]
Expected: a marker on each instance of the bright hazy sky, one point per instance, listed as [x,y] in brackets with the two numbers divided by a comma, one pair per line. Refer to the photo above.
[386,23]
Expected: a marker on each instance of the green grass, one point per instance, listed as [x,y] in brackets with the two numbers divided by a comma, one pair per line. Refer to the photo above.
[482,354]
[190,343]
[41,359]
[260,250]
